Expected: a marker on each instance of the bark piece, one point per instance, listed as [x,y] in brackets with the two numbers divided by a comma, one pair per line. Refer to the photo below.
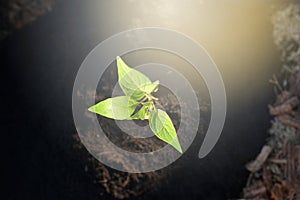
[256,190]
[290,121]
[286,107]
[256,165]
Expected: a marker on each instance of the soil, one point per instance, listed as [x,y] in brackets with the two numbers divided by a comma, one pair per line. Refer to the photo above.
[15,14]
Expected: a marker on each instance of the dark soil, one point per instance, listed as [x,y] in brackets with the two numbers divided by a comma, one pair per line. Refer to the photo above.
[15,14]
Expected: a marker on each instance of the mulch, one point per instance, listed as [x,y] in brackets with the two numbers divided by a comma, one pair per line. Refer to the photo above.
[275,173]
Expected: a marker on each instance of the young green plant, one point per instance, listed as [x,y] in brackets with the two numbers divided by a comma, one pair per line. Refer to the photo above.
[138,89]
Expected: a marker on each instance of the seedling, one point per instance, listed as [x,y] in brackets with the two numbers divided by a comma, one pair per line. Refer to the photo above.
[138,89]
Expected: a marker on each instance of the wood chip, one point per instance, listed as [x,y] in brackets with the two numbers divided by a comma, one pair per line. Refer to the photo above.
[256,165]
[290,121]
[286,107]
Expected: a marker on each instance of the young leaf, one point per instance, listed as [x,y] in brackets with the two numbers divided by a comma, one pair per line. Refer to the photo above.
[119,108]
[143,113]
[153,87]
[163,128]
[134,83]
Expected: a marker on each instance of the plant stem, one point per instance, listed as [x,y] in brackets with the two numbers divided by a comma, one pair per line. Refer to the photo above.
[150,97]
[143,100]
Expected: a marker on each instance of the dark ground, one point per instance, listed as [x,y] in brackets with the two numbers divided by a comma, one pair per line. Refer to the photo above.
[15,14]
[38,67]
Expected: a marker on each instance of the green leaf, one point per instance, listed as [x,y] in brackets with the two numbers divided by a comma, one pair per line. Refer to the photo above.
[143,113]
[162,126]
[153,87]
[119,108]
[123,68]
[134,83]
